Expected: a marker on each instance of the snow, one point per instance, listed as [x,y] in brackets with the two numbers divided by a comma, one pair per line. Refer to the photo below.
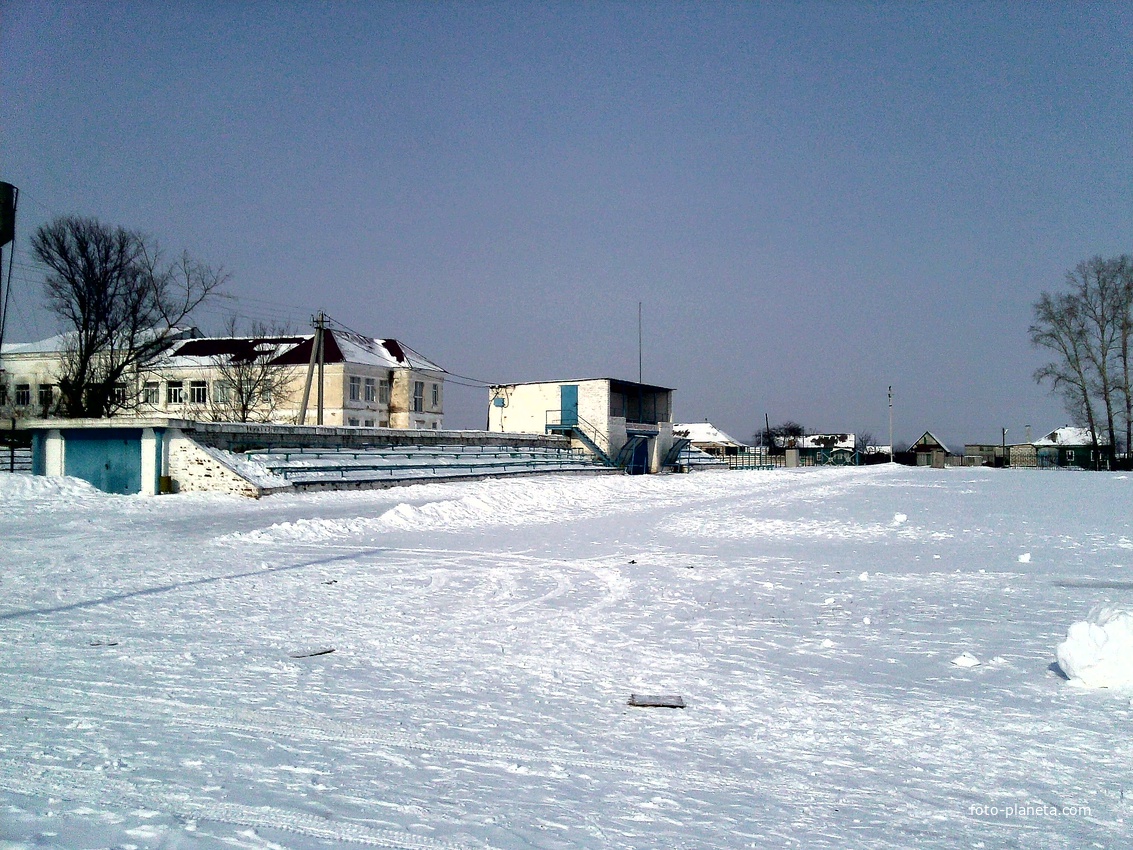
[487,637]
[704,433]
[1067,436]
[1098,652]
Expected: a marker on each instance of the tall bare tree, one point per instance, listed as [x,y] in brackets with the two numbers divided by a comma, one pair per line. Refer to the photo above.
[120,304]
[1088,328]
[1125,348]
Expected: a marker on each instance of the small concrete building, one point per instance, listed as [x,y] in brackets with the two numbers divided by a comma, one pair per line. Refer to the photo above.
[627,424]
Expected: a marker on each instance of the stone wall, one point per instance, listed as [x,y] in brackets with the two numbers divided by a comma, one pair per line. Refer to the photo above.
[194,470]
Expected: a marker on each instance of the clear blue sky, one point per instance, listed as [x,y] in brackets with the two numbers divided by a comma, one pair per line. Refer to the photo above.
[812,200]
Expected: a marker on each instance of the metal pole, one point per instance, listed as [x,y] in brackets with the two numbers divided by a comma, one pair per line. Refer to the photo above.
[310,373]
[891,454]
[322,362]
[639,342]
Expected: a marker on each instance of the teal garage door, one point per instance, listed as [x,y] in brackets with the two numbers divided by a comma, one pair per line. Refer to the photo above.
[109,458]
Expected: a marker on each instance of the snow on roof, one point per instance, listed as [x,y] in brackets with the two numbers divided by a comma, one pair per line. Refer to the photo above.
[341,346]
[817,441]
[381,352]
[705,433]
[1069,436]
[932,439]
[59,342]
[44,346]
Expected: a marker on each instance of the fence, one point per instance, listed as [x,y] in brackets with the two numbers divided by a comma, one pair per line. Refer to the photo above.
[15,451]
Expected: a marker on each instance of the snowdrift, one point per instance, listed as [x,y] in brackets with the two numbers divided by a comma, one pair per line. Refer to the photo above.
[1098,653]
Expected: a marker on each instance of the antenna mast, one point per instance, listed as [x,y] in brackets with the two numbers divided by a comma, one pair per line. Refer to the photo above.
[639,342]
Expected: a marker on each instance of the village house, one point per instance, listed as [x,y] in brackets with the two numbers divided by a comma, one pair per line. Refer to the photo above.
[624,423]
[1070,447]
[709,439]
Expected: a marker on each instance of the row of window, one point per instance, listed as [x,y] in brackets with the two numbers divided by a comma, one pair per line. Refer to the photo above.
[197,392]
[22,395]
[370,391]
[419,396]
[45,395]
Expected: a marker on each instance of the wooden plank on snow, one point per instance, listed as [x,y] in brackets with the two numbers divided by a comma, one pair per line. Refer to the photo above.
[666,701]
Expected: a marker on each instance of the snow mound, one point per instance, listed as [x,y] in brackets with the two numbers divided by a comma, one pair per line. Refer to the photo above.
[1098,653]
[966,659]
[22,487]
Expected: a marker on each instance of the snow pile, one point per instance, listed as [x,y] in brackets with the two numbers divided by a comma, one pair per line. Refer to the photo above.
[1098,653]
[21,487]
[966,659]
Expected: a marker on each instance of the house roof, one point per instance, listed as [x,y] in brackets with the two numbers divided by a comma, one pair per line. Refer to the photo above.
[1069,436]
[928,440]
[705,433]
[338,347]
[58,343]
[616,384]
[817,441]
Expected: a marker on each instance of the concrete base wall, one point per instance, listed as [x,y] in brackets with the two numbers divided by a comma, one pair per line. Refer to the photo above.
[194,470]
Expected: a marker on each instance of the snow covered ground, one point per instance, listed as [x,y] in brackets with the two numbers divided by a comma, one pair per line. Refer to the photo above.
[487,637]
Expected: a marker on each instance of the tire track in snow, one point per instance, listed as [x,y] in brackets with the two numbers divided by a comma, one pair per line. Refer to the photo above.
[94,788]
[76,704]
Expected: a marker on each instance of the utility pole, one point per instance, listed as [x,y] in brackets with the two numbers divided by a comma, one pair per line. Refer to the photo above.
[318,322]
[891,455]
[321,333]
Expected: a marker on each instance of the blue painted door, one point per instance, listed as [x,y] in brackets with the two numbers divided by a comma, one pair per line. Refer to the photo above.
[568,404]
[639,463]
[109,458]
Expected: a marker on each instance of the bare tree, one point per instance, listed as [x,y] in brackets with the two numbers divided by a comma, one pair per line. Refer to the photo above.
[863,440]
[120,304]
[1089,330]
[250,386]
[1061,328]
[779,436]
[1124,344]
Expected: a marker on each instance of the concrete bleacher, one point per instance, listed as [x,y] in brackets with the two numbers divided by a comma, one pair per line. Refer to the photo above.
[317,468]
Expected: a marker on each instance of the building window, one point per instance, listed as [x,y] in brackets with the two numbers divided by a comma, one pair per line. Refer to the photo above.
[267,396]
[46,395]
[221,392]
[371,390]
[355,388]
[369,423]
[175,392]
[353,422]
[150,393]
[120,394]
[3,394]
[23,395]
[383,392]
[419,423]
[383,423]
[436,396]
[436,426]
[198,392]
[418,396]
